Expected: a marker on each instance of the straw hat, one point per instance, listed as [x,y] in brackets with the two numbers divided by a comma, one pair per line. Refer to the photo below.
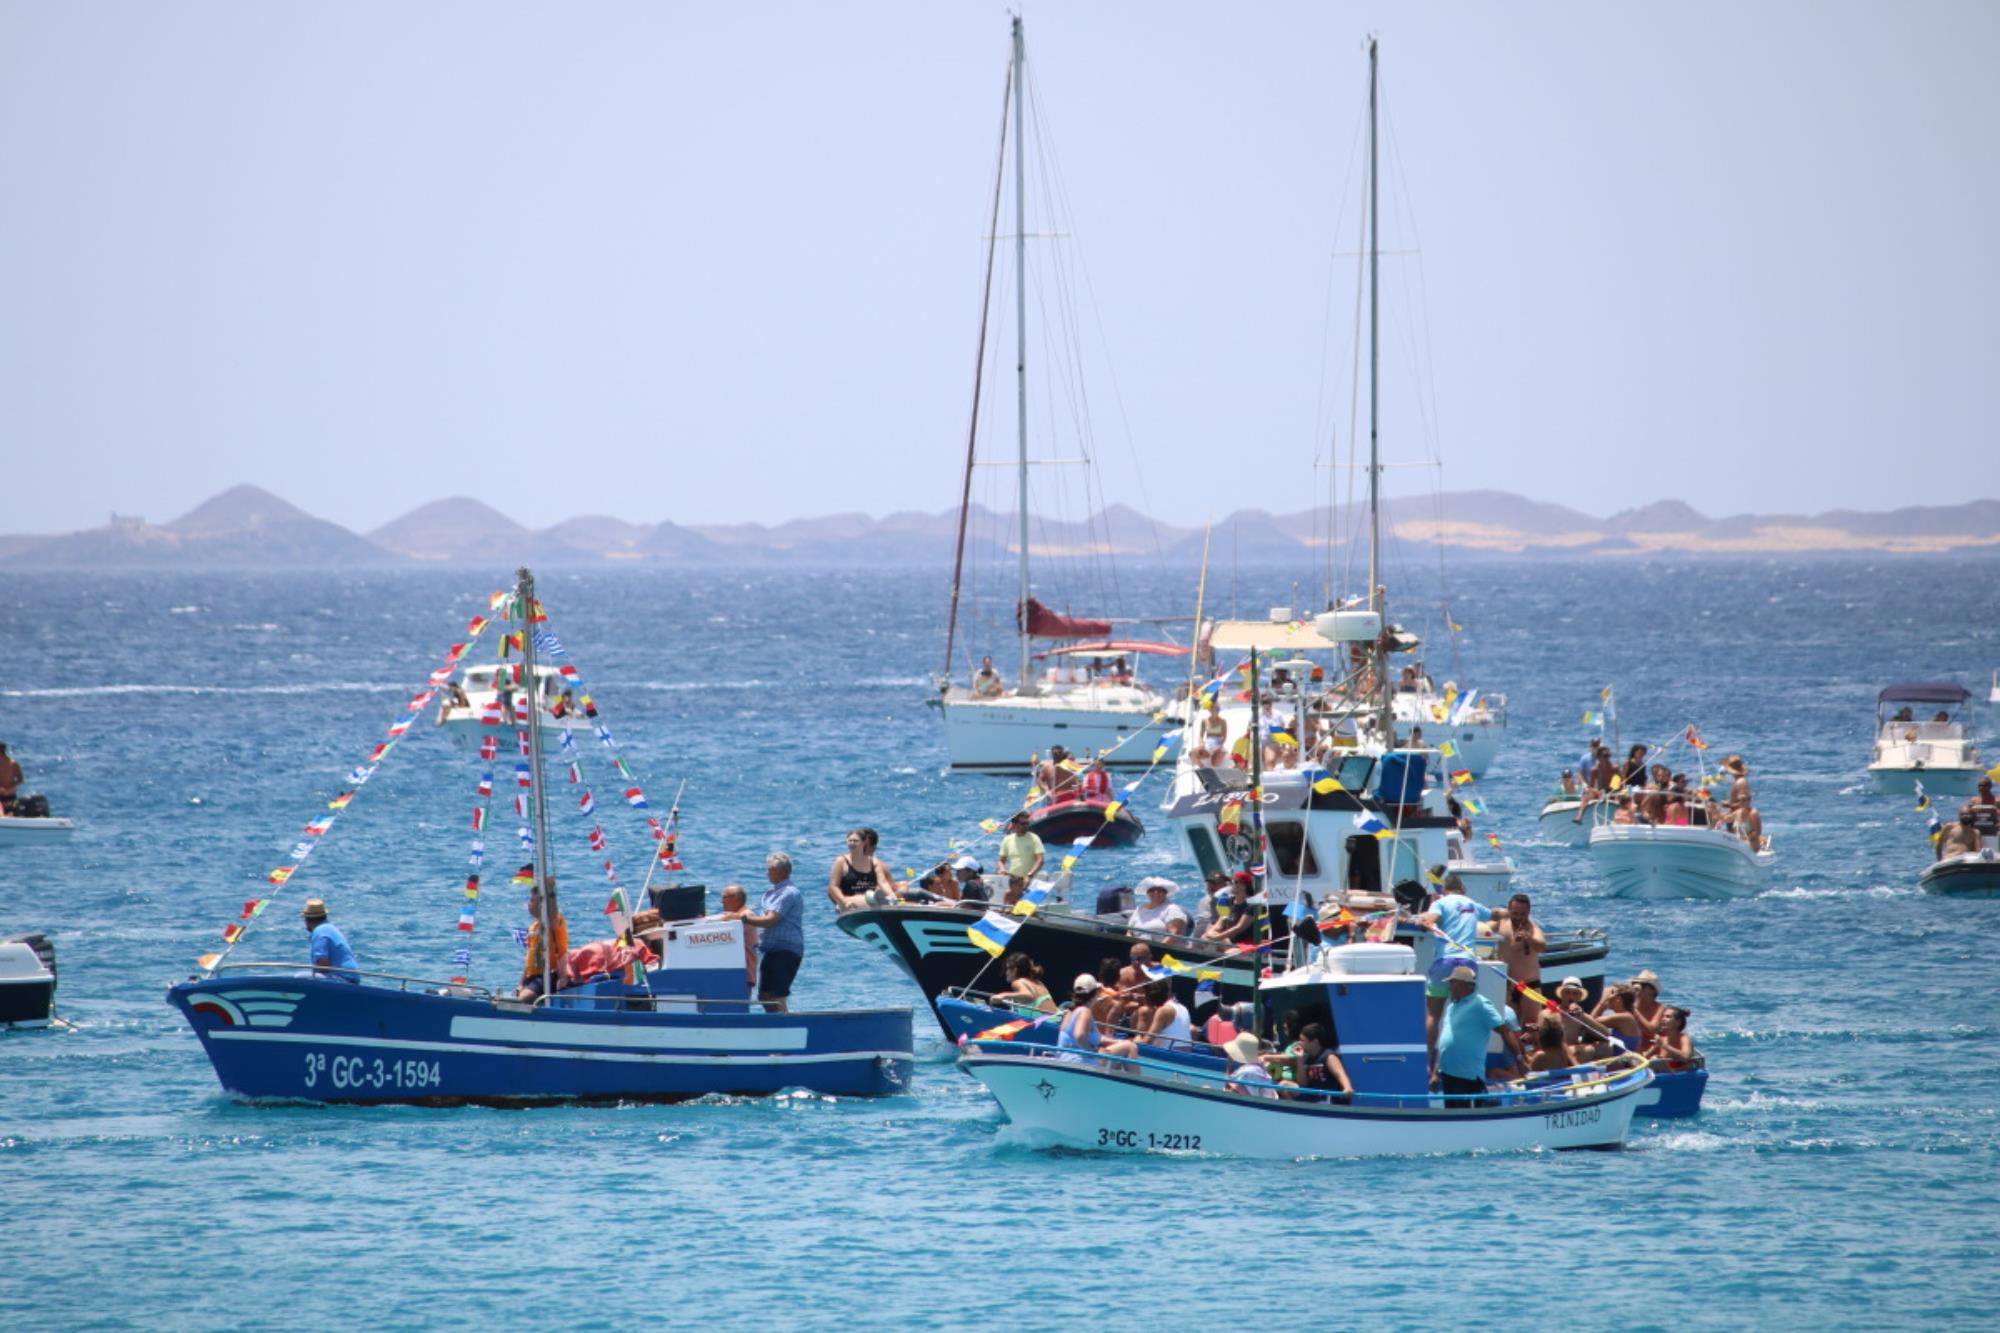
[1647,977]
[1734,764]
[1243,1048]
[315,909]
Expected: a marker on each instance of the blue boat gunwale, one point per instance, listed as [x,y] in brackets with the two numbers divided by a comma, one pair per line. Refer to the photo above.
[568,1003]
[1312,1102]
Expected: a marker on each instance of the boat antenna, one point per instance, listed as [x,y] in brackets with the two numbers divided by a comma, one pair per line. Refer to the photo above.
[525,606]
[1200,597]
[1018,79]
[978,381]
[1258,878]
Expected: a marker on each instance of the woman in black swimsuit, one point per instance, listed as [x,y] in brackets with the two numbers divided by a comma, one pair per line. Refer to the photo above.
[856,873]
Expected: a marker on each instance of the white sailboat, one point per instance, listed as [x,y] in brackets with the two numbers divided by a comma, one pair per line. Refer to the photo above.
[1083,703]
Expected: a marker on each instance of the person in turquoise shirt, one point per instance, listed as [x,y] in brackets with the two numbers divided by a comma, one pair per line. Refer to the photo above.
[1459,1066]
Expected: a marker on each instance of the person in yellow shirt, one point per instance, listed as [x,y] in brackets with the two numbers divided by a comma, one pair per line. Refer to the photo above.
[1021,856]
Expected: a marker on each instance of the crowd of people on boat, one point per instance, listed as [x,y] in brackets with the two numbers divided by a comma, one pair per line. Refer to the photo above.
[1639,792]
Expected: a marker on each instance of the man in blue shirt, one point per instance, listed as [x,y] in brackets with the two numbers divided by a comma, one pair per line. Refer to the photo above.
[1456,917]
[1459,1067]
[781,933]
[331,958]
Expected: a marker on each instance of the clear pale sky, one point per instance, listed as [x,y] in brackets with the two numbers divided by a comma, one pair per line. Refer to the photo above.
[720,262]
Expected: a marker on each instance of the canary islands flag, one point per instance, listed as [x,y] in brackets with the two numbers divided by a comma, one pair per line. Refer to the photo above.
[993,932]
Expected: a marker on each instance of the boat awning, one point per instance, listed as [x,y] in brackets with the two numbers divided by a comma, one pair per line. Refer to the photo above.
[1240,636]
[1114,648]
[1924,692]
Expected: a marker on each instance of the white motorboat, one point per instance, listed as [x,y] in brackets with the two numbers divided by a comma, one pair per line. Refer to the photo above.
[27,981]
[1088,705]
[34,831]
[1912,748]
[1564,824]
[1677,861]
[1967,875]
[486,697]
[1166,1101]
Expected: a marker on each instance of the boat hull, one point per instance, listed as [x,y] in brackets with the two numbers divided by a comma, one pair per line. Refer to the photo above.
[1094,1107]
[1939,781]
[1650,862]
[289,1036]
[1000,735]
[1071,820]
[18,832]
[1974,875]
[1675,1095]
[1561,827]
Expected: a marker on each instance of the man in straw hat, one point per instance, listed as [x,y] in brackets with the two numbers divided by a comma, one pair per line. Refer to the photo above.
[1459,1067]
[331,957]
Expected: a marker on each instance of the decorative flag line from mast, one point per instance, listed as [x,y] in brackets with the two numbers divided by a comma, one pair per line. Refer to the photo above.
[351,785]
[461,958]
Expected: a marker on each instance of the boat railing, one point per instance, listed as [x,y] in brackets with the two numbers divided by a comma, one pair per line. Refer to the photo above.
[1619,1074]
[387,980]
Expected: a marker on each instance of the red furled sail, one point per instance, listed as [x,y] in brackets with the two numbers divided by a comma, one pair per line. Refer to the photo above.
[1046,624]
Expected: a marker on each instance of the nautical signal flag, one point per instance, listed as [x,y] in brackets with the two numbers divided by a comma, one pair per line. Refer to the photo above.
[1328,786]
[281,874]
[1111,810]
[1447,749]
[489,746]
[1471,805]
[1230,818]
[465,919]
[993,932]
[1493,840]
[521,776]
[1617,781]
[1371,823]
[489,713]
[478,818]
[525,875]
[319,826]
[472,886]
[1460,776]
[232,933]
[597,838]
[485,784]
[254,908]
[1694,740]
[1923,797]
[1037,894]
[340,802]
[586,804]
[475,625]
[989,825]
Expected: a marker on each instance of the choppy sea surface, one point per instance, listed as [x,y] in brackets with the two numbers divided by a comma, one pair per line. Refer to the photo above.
[1845,1173]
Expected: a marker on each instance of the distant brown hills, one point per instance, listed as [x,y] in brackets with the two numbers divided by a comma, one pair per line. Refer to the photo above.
[247,526]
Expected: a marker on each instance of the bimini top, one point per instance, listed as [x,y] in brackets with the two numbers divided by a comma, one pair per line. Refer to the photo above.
[1924,692]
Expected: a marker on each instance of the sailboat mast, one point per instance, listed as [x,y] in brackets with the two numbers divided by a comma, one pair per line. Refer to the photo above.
[978,383]
[1374,350]
[538,792]
[1021,344]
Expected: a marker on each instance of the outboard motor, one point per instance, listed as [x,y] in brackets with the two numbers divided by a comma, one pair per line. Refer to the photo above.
[1117,898]
[35,806]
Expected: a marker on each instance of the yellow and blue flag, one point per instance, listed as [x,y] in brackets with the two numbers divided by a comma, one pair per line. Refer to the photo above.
[993,932]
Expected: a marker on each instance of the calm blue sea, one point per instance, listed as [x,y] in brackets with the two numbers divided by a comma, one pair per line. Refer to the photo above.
[1846,1172]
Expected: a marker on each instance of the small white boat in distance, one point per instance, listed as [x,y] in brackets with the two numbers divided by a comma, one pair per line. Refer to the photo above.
[1993,694]
[1654,861]
[1923,740]
[1564,824]
[477,699]
[27,981]
[45,831]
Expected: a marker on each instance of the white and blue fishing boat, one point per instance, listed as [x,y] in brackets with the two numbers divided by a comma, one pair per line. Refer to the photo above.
[1564,822]
[1170,1101]
[677,1025]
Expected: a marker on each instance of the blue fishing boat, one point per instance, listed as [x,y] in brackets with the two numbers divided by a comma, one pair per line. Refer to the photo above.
[277,1032]
[662,1012]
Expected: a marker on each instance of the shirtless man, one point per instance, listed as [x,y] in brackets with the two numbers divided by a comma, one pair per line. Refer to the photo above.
[10,781]
[1981,814]
[1739,786]
[1519,944]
